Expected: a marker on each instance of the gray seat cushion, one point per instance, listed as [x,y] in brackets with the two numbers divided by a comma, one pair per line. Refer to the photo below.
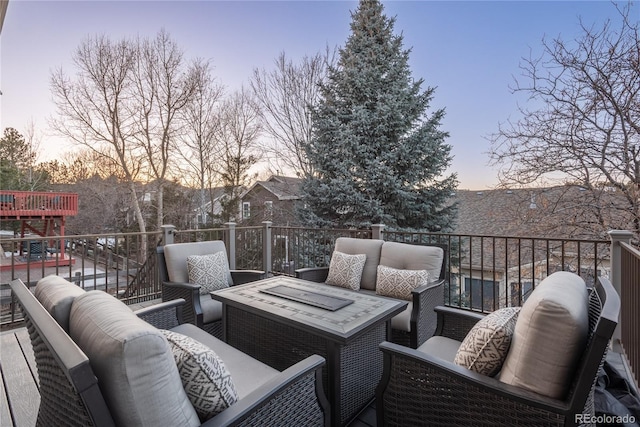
[56,295]
[133,362]
[211,309]
[176,255]
[402,320]
[369,247]
[247,373]
[441,347]
[413,257]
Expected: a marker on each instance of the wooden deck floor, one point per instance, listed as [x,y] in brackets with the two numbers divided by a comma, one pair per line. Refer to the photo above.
[19,394]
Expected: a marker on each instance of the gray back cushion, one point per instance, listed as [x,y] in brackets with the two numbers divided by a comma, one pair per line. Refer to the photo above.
[132,361]
[369,247]
[413,257]
[56,295]
[550,336]
[176,255]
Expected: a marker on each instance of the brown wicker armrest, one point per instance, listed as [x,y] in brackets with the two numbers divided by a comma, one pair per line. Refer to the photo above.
[295,397]
[178,285]
[423,317]
[191,311]
[166,315]
[69,391]
[245,276]
[456,323]
[419,389]
[313,274]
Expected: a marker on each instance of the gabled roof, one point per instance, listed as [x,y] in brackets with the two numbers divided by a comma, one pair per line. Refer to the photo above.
[282,187]
[212,195]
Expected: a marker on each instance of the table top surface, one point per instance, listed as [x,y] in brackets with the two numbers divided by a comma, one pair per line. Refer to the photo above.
[365,311]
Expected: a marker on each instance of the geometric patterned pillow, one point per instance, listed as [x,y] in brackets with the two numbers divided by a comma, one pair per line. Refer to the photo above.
[205,378]
[209,271]
[485,347]
[395,283]
[346,270]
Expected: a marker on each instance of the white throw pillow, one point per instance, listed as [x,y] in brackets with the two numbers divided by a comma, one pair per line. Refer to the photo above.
[396,283]
[346,270]
[209,271]
[204,376]
[486,346]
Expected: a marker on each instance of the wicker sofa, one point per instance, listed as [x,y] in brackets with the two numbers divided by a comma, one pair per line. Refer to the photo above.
[101,364]
[417,323]
[426,387]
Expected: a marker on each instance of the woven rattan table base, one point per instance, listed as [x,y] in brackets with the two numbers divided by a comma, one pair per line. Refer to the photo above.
[353,368]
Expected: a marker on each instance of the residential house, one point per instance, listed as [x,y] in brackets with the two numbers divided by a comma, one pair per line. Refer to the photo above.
[489,275]
[205,213]
[271,200]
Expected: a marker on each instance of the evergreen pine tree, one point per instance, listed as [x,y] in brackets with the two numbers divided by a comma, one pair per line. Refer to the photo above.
[378,157]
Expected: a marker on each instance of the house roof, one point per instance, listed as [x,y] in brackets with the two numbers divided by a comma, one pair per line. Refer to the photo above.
[531,223]
[489,212]
[212,195]
[563,211]
[282,187]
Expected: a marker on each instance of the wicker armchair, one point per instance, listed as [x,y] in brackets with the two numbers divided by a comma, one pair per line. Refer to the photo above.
[422,389]
[199,310]
[418,323]
[72,394]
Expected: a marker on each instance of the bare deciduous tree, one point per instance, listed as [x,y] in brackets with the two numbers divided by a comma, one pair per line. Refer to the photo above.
[238,134]
[584,124]
[95,108]
[164,84]
[198,146]
[285,94]
[124,104]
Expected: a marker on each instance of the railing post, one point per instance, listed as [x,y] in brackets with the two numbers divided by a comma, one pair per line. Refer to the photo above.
[616,237]
[377,231]
[168,231]
[230,243]
[266,246]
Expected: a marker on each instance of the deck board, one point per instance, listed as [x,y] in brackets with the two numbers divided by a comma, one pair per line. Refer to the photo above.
[5,414]
[27,350]
[21,391]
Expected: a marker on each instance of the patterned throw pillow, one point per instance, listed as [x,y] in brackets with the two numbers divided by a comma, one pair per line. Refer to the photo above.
[485,347]
[395,283]
[205,378]
[210,271]
[346,270]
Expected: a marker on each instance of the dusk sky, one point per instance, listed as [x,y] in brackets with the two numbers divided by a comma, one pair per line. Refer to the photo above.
[469,50]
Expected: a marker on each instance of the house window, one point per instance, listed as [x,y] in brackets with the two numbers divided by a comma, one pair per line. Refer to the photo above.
[520,291]
[481,292]
[246,210]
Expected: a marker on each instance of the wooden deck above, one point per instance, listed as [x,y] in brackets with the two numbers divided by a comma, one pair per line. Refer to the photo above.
[15,205]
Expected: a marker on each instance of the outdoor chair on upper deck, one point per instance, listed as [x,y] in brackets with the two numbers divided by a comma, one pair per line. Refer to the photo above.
[536,365]
[191,271]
